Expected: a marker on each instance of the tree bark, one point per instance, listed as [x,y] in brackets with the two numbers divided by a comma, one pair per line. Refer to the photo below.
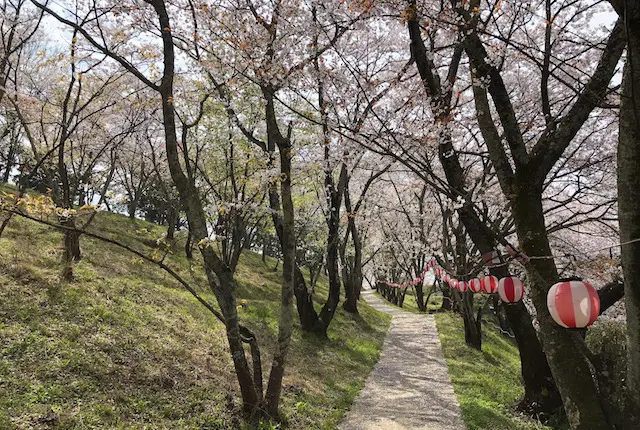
[71,252]
[472,327]
[610,294]
[172,219]
[352,269]
[188,246]
[447,298]
[307,314]
[285,324]
[628,198]
[563,348]
[420,300]
[328,310]
[219,276]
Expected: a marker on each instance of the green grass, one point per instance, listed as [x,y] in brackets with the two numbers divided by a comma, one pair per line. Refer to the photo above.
[487,383]
[124,346]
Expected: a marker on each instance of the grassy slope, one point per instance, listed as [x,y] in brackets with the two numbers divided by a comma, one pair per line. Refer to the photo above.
[123,346]
[487,383]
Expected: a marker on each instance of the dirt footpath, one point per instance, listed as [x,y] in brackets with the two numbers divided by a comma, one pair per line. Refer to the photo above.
[409,387]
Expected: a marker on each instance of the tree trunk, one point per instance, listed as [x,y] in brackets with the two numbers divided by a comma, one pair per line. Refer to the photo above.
[422,304]
[563,348]
[628,207]
[225,296]
[188,246]
[219,277]
[447,298]
[10,162]
[352,269]
[501,315]
[285,324]
[401,295]
[333,238]
[71,252]
[540,393]
[472,328]
[307,314]
[351,298]
[172,219]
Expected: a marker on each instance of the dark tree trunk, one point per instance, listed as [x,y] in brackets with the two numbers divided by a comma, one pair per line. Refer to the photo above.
[501,315]
[307,314]
[472,327]
[570,367]
[420,300]
[401,296]
[333,196]
[172,219]
[219,276]
[540,391]
[333,238]
[351,297]
[10,161]
[285,324]
[610,294]
[71,252]
[628,198]
[447,298]
[188,246]
[351,267]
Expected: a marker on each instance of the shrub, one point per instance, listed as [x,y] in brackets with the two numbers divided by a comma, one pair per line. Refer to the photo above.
[607,339]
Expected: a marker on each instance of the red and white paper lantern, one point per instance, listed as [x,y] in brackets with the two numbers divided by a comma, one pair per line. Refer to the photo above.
[438,272]
[463,286]
[489,284]
[453,283]
[475,285]
[511,289]
[446,277]
[573,304]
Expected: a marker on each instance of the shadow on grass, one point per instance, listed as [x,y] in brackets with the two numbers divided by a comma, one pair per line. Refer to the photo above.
[484,416]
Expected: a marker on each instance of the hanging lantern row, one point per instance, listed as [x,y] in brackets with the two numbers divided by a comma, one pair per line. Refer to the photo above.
[572,304]
[513,290]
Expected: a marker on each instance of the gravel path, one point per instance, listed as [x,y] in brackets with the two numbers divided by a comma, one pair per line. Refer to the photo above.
[409,387]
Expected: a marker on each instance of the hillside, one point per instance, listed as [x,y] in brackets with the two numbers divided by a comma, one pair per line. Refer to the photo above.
[124,346]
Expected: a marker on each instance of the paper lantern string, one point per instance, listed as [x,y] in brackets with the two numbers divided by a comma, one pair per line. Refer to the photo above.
[491,260]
